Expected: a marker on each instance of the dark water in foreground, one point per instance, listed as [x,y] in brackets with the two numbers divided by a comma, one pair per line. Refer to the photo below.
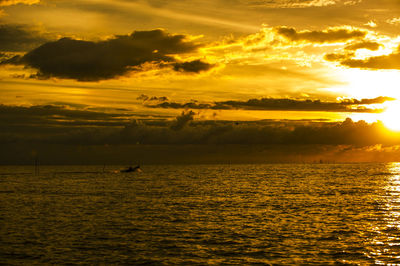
[207,214]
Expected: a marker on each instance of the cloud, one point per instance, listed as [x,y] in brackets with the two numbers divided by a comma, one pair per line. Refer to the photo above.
[144,98]
[195,66]
[393,21]
[47,115]
[15,2]
[327,36]
[373,46]
[60,125]
[301,3]
[347,105]
[391,61]
[377,100]
[59,134]
[183,120]
[93,61]
[338,57]
[20,38]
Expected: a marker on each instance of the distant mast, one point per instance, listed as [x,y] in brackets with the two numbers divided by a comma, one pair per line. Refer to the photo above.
[36,166]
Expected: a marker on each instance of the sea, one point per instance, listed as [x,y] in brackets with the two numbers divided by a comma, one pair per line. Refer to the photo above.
[253,214]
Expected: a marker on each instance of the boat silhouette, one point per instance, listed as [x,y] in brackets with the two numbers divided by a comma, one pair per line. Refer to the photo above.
[131,169]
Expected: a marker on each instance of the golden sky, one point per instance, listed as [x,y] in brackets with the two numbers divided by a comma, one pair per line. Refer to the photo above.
[107,53]
[225,60]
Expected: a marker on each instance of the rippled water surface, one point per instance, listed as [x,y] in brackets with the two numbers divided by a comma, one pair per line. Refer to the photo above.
[201,214]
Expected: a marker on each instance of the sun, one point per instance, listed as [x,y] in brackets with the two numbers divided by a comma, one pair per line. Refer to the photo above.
[391,116]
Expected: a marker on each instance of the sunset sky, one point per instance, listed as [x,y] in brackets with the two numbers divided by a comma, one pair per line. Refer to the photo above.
[73,72]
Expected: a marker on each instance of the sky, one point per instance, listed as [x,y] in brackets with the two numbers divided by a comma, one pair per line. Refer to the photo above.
[156,73]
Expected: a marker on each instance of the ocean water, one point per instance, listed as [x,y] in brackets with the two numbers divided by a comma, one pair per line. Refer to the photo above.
[272,214]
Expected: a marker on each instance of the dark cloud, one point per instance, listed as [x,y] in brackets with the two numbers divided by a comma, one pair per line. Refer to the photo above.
[188,105]
[338,57]
[391,61]
[144,98]
[93,61]
[327,36]
[47,115]
[380,99]
[182,120]
[195,66]
[20,38]
[373,46]
[348,105]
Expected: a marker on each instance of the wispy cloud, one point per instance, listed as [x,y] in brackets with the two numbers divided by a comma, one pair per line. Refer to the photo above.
[326,36]
[300,3]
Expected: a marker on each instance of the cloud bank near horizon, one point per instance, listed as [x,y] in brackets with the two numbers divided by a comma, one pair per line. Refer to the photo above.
[60,125]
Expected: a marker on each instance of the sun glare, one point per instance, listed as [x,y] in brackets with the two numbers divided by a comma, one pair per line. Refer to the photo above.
[361,83]
[391,116]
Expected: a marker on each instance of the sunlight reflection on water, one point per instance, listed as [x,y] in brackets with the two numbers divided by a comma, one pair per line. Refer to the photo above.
[281,214]
[386,241]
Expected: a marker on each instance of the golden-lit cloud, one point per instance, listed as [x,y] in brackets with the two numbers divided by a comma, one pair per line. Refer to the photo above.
[389,61]
[338,57]
[370,45]
[293,47]
[326,36]
[302,3]
[15,2]
[394,21]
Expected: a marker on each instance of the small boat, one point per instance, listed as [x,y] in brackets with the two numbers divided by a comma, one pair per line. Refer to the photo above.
[131,169]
